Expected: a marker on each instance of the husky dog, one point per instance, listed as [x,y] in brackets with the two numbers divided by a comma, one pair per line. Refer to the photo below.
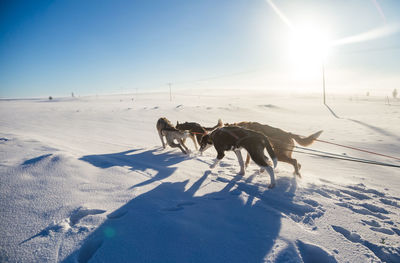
[234,138]
[196,130]
[282,142]
[165,128]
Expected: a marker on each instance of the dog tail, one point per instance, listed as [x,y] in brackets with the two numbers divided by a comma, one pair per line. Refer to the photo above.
[270,151]
[219,124]
[305,141]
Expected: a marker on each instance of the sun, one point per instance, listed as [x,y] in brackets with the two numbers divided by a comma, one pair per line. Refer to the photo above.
[307,47]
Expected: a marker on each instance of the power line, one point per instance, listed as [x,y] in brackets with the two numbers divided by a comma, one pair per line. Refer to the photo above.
[368,50]
[340,52]
[220,76]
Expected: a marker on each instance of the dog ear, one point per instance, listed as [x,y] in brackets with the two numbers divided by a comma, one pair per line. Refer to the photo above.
[177,123]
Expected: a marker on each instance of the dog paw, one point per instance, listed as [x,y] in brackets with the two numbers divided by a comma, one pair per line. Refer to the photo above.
[271,186]
[241,172]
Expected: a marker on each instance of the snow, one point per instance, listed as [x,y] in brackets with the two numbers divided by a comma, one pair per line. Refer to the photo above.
[86,180]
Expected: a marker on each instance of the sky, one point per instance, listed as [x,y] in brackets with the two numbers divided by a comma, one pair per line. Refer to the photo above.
[101,47]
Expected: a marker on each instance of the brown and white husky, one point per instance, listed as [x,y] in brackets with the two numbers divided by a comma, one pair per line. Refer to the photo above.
[282,141]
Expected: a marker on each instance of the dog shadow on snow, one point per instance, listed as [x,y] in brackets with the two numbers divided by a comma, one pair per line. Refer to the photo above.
[170,223]
[139,160]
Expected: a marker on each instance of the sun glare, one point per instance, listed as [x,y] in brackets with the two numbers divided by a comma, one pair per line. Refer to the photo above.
[308,46]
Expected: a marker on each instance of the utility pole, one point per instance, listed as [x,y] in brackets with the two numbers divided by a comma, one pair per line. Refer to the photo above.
[323,79]
[170,92]
[323,89]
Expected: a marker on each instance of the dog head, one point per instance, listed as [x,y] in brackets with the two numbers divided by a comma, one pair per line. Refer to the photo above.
[205,143]
[179,125]
[182,126]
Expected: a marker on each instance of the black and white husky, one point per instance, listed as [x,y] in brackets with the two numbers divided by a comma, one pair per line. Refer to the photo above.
[165,128]
[234,138]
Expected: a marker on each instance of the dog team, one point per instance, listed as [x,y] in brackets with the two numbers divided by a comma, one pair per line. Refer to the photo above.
[252,136]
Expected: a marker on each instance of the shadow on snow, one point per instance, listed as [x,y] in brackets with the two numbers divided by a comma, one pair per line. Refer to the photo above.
[139,161]
[171,224]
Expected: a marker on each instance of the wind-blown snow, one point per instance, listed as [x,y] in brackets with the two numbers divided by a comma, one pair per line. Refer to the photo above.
[86,180]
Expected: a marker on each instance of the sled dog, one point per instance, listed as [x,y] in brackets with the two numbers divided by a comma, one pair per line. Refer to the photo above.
[235,138]
[282,142]
[196,130]
[165,128]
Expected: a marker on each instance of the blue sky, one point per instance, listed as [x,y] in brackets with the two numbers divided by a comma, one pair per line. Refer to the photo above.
[97,46]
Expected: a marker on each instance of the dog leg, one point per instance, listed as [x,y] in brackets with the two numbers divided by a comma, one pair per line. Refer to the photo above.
[194,142]
[183,150]
[218,159]
[272,175]
[184,146]
[296,167]
[298,170]
[293,162]
[162,140]
[216,162]
[240,159]
[247,160]
[171,143]
[198,139]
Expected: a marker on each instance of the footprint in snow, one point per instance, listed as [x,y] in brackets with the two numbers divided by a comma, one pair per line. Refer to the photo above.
[384,253]
[382,230]
[374,208]
[313,253]
[363,189]
[389,202]
[371,223]
[397,231]
[362,211]
[311,202]
[81,212]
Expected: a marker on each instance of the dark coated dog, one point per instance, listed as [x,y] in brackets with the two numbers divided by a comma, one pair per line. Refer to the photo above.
[234,138]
